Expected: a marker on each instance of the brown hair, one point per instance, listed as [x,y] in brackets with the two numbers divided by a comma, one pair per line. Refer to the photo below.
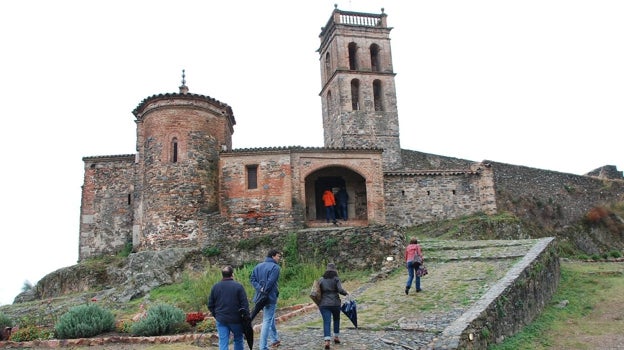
[413,240]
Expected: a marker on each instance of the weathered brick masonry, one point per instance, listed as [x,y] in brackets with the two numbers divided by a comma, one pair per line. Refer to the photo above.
[186,185]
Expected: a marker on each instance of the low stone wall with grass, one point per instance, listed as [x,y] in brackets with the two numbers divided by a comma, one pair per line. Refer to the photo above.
[509,305]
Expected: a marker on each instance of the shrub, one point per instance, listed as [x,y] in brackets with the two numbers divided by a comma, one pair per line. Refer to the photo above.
[193,318]
[5,321]
[123,326]
[596,214]
[615,254]
[207,325]
[160,319]
[84,321]
[31,332]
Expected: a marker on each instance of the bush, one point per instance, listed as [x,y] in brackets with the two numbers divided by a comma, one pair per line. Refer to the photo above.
[207,325]
[84,321]
[5,321]
[193,318]
[30,333]
[160,319]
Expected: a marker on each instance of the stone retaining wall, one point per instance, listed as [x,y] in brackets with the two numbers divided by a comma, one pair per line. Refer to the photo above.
[509,305]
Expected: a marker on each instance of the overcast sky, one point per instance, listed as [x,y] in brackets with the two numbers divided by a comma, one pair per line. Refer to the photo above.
[534,83]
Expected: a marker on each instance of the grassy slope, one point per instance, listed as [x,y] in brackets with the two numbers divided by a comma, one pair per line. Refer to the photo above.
[593,315]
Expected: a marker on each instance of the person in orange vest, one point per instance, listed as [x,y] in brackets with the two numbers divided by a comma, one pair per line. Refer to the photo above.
[330,202]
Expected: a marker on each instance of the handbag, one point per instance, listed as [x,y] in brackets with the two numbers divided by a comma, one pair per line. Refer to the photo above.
[421,271]
[315,292]
[417,259]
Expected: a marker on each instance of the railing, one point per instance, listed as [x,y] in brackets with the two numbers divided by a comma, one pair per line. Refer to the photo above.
[360,19]
[356,19]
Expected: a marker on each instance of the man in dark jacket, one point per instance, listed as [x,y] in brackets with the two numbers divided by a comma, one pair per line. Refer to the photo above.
[227,297]
[264,279]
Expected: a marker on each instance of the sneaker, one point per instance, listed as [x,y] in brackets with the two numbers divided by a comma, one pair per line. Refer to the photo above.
[336,340]
[418,290]
[406,291]
[276,344]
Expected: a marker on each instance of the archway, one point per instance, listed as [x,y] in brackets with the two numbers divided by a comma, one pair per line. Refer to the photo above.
[335,178]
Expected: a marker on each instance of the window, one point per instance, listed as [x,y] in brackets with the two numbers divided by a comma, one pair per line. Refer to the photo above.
[377,95]
[327,66]
[174,150]
[252,177]
[355,94]
[329,103]
[353,56]
[375,60]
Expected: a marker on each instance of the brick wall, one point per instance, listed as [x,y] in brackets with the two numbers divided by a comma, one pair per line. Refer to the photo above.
[106,205]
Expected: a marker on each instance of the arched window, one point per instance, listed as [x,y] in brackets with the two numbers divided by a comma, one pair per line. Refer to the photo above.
[375,59]
[327,66]
[174,150]
[377,95]
[329,103]
[353,65]
[355,95]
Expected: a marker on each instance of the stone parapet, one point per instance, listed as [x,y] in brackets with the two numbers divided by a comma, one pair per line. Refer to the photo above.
[510,304]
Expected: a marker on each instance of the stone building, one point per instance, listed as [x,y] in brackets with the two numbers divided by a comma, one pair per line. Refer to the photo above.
[185,180]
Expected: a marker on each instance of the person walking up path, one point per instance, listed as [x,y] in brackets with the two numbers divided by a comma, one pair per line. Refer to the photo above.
[331,289]
[264,278]
[413,260]
[226,298]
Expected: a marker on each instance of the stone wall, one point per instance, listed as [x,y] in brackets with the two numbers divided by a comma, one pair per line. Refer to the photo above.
[510,304]
[106,206]
[553,198]
[416,197]
[373,245]
[179,137]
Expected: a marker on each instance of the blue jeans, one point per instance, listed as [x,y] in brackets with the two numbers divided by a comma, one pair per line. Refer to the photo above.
[224,329]
[328,313]
[268,330]
[344,213]
[411,271]
[330,214]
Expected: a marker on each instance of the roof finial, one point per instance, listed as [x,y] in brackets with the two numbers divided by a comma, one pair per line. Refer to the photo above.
[183,88]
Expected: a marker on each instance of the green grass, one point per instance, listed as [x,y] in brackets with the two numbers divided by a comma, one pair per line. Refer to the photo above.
[587,288]
[295,282]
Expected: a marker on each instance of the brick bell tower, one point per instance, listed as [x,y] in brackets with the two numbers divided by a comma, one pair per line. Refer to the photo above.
[179,136]
[358,89]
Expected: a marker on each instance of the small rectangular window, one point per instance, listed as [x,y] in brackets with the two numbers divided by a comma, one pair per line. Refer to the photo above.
[252,177]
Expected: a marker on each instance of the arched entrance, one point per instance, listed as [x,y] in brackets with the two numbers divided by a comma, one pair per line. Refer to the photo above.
[336,178]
